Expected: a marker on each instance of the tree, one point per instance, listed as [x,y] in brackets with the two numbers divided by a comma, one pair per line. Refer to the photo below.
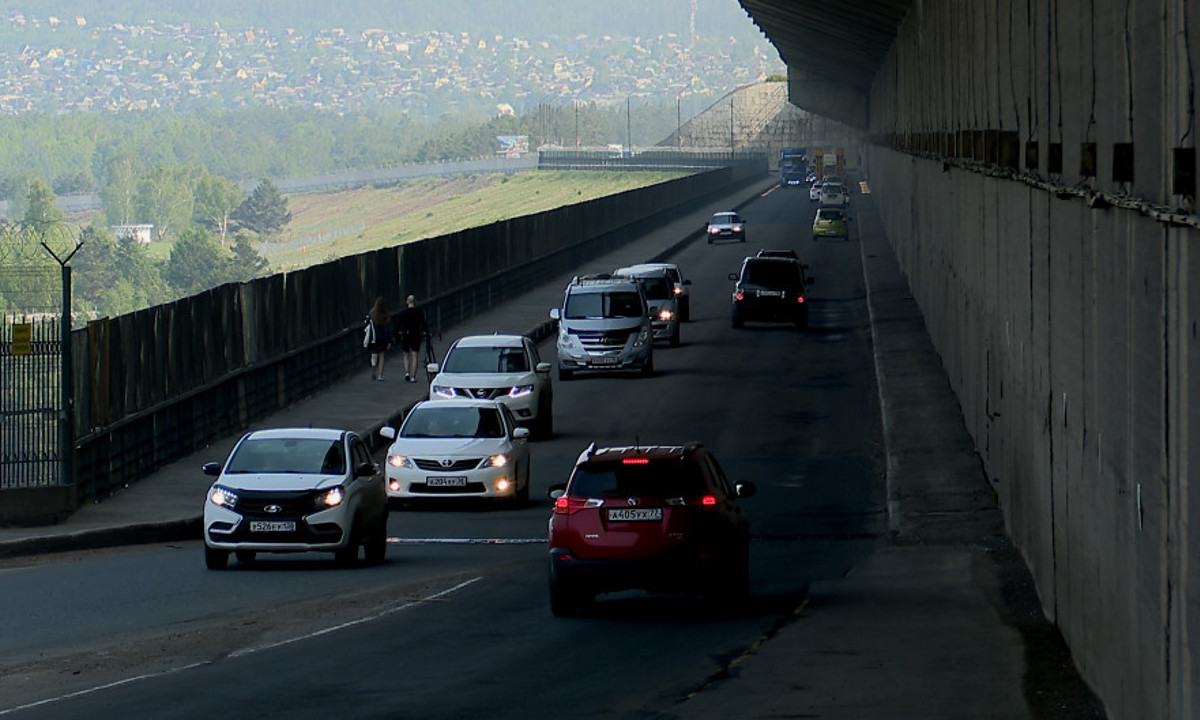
[41,214]
[164,197]
[265,211]
[120,189]
[197,263]
[215,200]
[247,263]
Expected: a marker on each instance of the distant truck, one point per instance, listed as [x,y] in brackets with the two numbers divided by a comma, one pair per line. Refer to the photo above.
[793,165]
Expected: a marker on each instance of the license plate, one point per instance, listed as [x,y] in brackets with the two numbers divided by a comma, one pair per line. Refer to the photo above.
[770,293]
[635,514]
[268,526]
[446,481]
[613,360]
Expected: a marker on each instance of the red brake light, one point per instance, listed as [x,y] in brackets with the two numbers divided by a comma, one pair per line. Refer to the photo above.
[570,504]
[635,461]
[799,298]
[740,295]
[708,500]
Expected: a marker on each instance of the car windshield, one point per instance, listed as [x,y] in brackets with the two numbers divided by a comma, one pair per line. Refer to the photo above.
[453,422]
[725,219]
[662,478]
[486,360]
[603,305]
[771,274]
[657,288]
[289,455]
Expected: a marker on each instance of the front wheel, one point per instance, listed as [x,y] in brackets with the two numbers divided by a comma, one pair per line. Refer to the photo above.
[215,559]
[375,548]
[648,368]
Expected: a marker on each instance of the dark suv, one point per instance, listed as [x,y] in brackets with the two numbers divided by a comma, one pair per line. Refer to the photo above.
[770,288]
[657,518]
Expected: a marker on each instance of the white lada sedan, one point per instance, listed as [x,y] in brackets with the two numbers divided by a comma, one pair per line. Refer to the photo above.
[458,448]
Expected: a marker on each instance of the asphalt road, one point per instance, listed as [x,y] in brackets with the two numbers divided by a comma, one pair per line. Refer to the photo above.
[456,623]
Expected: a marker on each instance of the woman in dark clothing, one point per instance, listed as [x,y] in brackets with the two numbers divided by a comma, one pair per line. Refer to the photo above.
[410,329]
[380,339]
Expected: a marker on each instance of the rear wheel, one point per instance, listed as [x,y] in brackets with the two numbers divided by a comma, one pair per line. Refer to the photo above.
[215,559]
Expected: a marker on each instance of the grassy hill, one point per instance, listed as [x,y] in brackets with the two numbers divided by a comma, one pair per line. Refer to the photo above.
[330,225]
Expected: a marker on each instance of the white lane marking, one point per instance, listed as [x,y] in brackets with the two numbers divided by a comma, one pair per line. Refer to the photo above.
[240,653]
[467,541]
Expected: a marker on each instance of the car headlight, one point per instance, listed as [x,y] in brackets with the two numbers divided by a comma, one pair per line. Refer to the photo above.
[568,340]
[498,460]
[223,497]
[713,230]
[665,314]
[331,498]
[443,391]
[399,461]
[642,337]
[520,391]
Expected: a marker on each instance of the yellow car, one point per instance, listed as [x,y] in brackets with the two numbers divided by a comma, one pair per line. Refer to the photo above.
[831,222]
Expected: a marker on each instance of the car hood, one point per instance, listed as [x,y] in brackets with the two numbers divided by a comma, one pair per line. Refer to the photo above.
[604,324]
[485,380]
[450,447]
[279,481]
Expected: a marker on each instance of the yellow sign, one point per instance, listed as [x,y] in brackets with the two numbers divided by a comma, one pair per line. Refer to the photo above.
[22,339]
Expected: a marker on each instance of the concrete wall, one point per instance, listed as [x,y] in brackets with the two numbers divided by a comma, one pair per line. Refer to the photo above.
[1061,300]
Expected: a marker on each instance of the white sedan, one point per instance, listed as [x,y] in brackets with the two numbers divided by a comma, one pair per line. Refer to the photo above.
[458,448]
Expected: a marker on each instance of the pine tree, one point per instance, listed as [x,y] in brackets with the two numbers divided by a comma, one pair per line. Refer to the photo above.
[265,211]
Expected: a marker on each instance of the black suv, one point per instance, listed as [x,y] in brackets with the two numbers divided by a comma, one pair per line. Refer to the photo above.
[770,288]
[657,518]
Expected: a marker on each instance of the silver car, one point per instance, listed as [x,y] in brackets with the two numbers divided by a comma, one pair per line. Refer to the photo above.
[659,287]
[498,367]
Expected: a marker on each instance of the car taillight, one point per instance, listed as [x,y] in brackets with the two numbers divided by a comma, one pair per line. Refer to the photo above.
[570,504]
[678,291]
[739,295]
[709,501]
[799,298]
[635,461]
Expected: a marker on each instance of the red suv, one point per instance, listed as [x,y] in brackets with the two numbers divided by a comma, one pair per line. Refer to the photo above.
[658,518]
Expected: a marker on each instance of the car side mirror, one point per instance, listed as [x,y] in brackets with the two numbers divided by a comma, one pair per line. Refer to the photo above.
[520,433]
[367,469]
[746,489]
[733,277]
[432,368]
[388,432]
[554,314]
[554,492]
[543,367]
[211,468]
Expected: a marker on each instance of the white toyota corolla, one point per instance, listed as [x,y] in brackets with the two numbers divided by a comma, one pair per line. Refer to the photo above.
[458,448]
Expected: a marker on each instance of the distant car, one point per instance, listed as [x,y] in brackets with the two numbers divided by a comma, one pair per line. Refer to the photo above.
[659,287]
[831,222]
[648,517]
[833,195]
[498,367]
[726,226]
[290,490]
[814,190]
[770,289]
[458,448]
[683,288]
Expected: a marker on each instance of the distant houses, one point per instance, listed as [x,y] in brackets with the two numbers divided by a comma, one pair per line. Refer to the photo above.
[143,233]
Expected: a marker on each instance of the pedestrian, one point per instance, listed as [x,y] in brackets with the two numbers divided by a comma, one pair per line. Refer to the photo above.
[377,336]
[410,329]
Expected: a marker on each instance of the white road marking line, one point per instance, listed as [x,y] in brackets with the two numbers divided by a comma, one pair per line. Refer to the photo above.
[241,653]
[467,541]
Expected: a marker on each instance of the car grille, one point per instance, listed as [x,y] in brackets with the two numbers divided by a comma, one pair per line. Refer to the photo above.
[482,393]
[603,340]
[254,504]
[455,466]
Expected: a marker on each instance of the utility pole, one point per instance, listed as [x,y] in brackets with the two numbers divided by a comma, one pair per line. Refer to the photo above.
[628,126]
[731,143]
[678,123]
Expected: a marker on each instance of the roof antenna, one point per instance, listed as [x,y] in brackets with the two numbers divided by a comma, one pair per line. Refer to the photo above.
[637,443]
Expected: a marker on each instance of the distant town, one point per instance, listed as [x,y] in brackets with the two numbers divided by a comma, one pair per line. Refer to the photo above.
[62,65]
